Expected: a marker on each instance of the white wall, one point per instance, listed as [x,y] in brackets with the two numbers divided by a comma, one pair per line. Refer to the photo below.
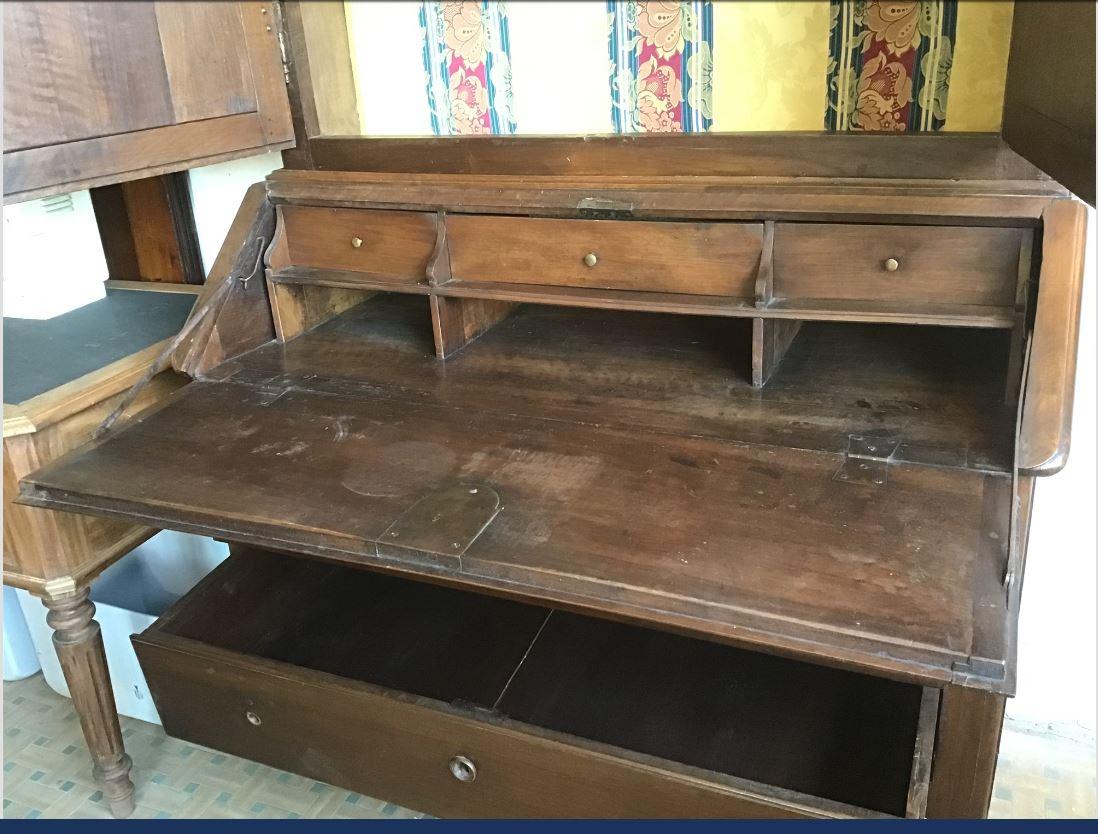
[1056,640]
[53,260]
[216,192]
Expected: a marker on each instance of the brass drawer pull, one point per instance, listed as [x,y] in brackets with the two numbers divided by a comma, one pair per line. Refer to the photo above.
[891,265]
[463,769]
[253,719]
[590,259]
[356,242]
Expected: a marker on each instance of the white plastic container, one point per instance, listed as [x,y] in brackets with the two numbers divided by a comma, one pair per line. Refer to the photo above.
[20,659]
[128,597]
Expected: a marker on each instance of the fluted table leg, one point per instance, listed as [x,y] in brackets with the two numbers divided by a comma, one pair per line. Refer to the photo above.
[79,645]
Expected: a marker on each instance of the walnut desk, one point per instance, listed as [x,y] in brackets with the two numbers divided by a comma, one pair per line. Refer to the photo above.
[606,495]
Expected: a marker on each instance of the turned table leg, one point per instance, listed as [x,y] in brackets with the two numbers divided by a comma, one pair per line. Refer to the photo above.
[79,645]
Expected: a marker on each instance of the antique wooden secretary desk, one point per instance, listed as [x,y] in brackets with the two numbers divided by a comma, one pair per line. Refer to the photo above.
[613,476]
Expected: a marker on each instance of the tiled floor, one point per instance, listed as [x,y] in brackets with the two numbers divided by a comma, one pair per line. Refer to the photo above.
[47,773]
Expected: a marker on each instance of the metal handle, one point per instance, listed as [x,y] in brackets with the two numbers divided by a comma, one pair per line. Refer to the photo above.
[590,259]
[891,265]
[356,242]
[463,769]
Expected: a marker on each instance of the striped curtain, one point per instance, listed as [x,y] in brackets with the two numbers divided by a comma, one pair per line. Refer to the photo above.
[889,65]
[679,66]
[661,66]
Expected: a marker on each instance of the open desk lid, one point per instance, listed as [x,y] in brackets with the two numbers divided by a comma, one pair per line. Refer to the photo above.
[640,514]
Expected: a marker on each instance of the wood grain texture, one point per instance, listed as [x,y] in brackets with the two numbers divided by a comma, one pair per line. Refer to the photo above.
[81,70]
[102,92]
[969,728]
[296,308]
[78,642]
[457,321]
[147,229]
[47,552]
[769,342]
[706,259]
[206,63]
[701,197]
[964,266]
[517,674]
[1048,104]
[245,320]
[793,154]
[570,531]
[393,245]
[525,775]
[1045,434]
[322,74]
[59,169]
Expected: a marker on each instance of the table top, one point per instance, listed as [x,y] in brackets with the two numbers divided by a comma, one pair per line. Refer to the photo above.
[42,354]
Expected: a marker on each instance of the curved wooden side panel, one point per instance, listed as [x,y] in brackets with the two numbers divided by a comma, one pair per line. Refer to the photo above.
[1045,434]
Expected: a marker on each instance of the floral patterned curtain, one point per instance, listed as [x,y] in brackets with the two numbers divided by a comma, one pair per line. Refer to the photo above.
[890,64]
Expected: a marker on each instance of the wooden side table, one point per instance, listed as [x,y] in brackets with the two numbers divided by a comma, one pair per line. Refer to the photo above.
[62,377]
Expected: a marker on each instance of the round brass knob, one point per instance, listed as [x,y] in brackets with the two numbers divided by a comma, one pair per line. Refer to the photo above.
[253,719]
[356,242]
[463,769]
[590,259]
[891,265]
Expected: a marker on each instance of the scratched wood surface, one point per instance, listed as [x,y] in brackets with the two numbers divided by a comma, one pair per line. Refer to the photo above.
[686,701]
[937,390]
[619,501]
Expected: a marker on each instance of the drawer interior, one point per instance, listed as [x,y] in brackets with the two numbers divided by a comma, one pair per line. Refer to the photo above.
[824,732]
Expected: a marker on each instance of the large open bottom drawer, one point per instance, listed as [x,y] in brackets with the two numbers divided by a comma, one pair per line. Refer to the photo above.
[404,690]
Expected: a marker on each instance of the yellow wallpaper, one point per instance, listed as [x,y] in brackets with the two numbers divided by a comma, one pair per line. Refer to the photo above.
[770,62]
[979,65]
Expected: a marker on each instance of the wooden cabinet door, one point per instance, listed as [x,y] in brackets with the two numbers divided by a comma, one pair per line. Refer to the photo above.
[99,92]
[1048,110]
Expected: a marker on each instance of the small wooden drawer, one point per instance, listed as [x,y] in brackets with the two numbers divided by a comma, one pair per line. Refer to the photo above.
[461,704]
[387,245]
[718,259]
[897,264]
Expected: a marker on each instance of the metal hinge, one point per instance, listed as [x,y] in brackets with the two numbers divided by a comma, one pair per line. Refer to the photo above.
[285,64]
[866,458]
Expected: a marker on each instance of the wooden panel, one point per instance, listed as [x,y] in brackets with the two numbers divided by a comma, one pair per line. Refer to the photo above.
[100,92]
[769,342]
[147,229]
[1045,432]
[571,530]
[1048,106]
[296,308]
[678,375]
[76,71]
[406,744]
[942,265]
[206,59]
[698,707]
[701,197]
[392,245]
[56,169]
[701,258]
[244,321]
[458,321]
[969,726]
[794,154]
[763,718]
[49,552]
[321,58]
